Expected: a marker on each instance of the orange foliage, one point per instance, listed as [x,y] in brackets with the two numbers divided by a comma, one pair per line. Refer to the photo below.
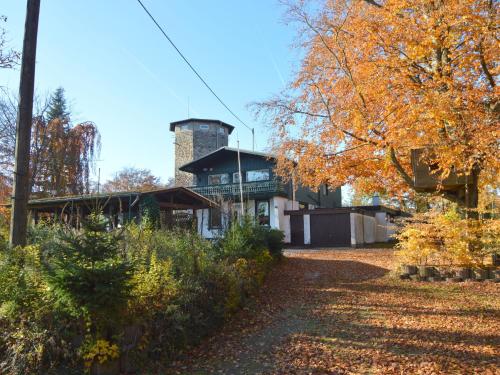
[62,156]
[382,77]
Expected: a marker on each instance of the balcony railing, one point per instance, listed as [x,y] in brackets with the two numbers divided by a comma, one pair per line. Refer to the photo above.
[249,188]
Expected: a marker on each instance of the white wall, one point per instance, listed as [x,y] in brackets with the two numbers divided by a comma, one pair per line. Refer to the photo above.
[279,221]
[203,217]
[369,229]
[307,229]
[277,218]
[356,229]
[381,230]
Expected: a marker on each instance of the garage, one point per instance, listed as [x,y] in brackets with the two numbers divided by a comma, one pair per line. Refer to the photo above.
[330,230]
[342,226]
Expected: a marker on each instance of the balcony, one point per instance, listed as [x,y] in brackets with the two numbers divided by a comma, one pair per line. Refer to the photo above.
[250,189]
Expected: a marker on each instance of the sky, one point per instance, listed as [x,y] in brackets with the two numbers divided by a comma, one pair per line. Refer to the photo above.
[121,73]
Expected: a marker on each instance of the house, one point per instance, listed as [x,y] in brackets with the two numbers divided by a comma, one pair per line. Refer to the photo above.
[206,165]
[265,196]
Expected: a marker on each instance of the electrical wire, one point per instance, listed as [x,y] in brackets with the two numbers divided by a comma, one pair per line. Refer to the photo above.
[193,69]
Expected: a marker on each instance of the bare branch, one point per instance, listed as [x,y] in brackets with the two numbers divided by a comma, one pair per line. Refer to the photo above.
[484,66]
[406,177]
[373,3]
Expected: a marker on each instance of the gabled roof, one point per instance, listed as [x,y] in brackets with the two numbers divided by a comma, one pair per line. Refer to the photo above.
[219,153]
[229,127]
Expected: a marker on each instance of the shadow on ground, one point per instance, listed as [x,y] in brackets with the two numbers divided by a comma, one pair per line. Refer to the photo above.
[316,315]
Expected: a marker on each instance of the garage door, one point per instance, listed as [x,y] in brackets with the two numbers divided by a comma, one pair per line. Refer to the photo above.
[297,229]
[331,230]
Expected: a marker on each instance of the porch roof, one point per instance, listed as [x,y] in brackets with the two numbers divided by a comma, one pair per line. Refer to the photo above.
[179,198]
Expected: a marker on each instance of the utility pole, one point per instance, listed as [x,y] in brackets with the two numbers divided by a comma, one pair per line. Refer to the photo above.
[19,217]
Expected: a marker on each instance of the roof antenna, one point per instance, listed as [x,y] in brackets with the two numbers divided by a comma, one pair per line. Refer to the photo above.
[188,107]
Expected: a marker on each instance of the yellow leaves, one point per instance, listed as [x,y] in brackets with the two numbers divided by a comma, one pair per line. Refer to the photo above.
[446,238]
[101,351]
[418,58]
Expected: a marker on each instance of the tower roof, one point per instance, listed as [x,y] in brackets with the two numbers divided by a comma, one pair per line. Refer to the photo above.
[229,127]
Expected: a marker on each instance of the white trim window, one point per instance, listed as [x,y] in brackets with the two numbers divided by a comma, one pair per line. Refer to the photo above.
[258,175]
[218,179]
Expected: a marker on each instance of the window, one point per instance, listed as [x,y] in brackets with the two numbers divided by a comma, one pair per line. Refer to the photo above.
[258,175]
[222,131]
[218,179]
[236,178]
[262,212]
[204,127]
[215,218]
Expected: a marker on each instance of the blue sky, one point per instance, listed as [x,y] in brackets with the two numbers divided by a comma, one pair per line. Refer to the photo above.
[120,72]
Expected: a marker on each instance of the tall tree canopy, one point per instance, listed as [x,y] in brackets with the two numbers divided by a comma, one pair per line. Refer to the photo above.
[381,77]
[132,179]
[62,153]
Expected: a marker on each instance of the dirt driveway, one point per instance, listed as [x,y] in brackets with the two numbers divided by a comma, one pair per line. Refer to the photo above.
[339,311]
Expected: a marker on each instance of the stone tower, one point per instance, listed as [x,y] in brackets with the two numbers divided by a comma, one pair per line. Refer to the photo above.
[195,138]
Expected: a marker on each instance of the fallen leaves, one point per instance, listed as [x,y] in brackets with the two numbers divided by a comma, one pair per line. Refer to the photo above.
[339,312]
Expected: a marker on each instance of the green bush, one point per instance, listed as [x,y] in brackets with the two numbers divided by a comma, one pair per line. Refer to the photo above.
[68,299]
[275,242]
[247,239]
[87,275]
[35,333]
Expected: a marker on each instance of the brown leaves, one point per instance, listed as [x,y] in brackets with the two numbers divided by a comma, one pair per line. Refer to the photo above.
[334,312]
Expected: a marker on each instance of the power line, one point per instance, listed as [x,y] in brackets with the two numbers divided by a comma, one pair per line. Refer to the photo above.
[195,71]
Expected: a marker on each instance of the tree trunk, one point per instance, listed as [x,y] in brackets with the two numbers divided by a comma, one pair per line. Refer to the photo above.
[471,196]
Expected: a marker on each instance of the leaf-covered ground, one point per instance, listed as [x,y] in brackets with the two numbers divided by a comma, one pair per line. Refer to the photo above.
[340,312]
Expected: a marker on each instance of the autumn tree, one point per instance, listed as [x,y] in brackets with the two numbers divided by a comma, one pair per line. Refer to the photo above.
[382,77]
[132,179]
[62,153]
